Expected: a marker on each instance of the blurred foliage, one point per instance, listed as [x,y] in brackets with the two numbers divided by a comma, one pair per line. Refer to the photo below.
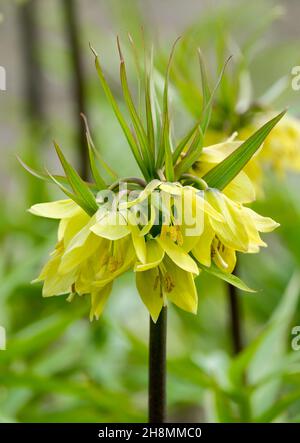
[60,367]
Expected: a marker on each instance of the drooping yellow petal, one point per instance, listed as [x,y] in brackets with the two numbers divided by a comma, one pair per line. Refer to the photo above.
[121,259]
[58,209]
[111,226]
[69,227]
[263,224]
[98,300]
[202,250]
[148,226]
[149,288]
[54,283]
[232,233]
[139,244]
[225,258]
[171,188]
[240,189]
[154,256]
[178,255]
[82,246]
[181,289]
[144,194]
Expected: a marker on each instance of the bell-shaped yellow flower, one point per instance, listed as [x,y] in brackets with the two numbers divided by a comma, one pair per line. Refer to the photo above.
[168,274]
[82,262]
[240,232]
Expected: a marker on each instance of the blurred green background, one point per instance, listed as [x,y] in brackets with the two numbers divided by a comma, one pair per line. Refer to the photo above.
[58,366]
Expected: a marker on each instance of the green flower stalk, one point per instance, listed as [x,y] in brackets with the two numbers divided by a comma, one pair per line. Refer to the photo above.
[167,226]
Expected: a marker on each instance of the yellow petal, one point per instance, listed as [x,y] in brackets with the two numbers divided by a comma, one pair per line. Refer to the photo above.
[240,189]
[138,243]
[57,209]
[111,226]
[171,188]
[181,289]
[148,226]
[54,283]
[69,227]
[233,232]
[263,224]
[148,285]
[178,255]
[154,256]
[98,300]
[225,259]
[202,250]
[82,246]
[143,195]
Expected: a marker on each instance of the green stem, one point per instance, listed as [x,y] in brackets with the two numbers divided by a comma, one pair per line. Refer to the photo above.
[157,368]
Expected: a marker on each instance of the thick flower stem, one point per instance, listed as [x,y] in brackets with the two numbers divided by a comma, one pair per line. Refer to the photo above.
[235,319]
[157,368]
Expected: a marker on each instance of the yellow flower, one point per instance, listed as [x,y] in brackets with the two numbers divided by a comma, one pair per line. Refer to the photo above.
[164,232]
[240,232]
[167,274]
[164,268]
[82,261]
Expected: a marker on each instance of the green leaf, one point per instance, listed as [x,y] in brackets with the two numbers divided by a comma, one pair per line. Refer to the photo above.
[72,196]
[127,132]
[279,407]
[229,278]
[165,145]
[192,154]
[43,176]
[97,177]
[222,174]
[268,347]
[77,184]
[202,123]
[136,121]
[206,109]
[149,107]
[206,112]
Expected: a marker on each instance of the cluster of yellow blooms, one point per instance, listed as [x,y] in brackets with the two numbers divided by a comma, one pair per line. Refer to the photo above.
[92,251]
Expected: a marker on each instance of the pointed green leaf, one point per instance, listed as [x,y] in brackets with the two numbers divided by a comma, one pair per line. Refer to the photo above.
[97,177]
[149,107]
[222,174]
[206,109]
[95,152]
[192,154]
[127,132]
[43,176]
[201,123]
[229,278]
[80,201]
[164,151]
[77,184]
[136,121]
